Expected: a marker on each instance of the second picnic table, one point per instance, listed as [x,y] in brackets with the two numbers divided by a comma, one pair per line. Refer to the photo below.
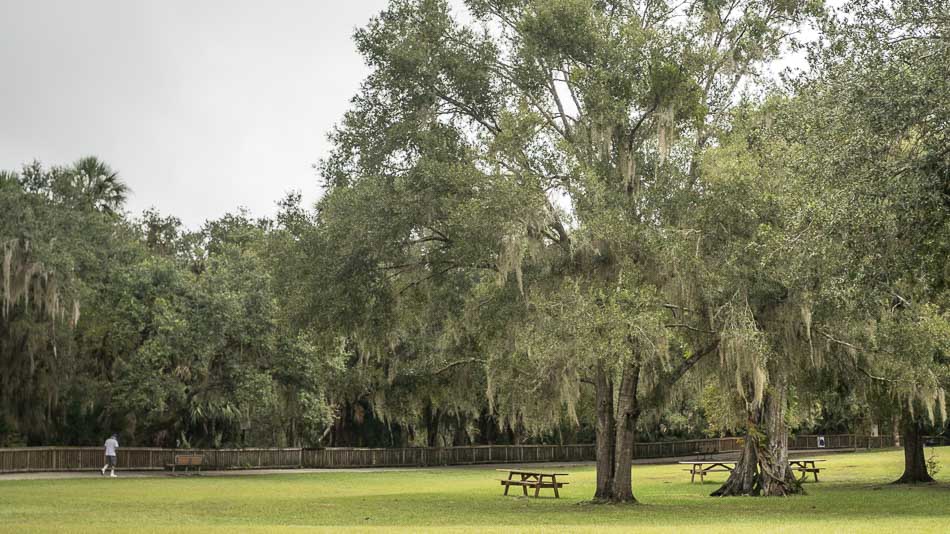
[701,467]
[532,479]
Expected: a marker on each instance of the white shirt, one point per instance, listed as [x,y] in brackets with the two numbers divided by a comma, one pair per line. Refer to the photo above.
[111,446]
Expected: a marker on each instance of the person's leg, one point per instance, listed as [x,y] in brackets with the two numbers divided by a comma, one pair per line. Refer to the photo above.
[112,464]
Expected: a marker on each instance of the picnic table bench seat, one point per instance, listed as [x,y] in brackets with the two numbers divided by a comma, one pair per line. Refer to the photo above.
[531,483]
[721,470]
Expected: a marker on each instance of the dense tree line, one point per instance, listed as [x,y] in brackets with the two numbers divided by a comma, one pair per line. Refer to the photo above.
[568,220]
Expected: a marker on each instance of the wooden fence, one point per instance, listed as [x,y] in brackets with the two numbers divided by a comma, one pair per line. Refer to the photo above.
[142,458]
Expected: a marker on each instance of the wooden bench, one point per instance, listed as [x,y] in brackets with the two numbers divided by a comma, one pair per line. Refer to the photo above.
[532,479]
[186,461]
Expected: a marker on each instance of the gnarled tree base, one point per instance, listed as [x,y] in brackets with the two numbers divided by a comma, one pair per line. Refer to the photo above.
[744,479]
[749,479]
[762,468]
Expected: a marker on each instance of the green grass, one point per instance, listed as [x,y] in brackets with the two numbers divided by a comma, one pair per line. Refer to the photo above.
[854,496]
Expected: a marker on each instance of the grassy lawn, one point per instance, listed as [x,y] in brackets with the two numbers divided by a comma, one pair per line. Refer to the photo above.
[853,497]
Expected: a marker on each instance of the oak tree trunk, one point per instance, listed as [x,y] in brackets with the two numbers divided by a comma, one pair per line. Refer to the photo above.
[431,416]
[915,465]
[616,430]
[627,413]
[606,433]
[775,478]
[762,468]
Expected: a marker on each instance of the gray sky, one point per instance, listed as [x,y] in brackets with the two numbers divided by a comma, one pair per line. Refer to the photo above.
[202,106]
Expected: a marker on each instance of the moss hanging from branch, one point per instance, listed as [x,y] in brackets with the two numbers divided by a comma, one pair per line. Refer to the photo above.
[28,281]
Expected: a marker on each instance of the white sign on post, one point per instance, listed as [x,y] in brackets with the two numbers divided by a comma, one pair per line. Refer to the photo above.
[821,442]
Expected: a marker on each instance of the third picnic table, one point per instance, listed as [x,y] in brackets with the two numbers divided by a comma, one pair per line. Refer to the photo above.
[532,479]
[702,467]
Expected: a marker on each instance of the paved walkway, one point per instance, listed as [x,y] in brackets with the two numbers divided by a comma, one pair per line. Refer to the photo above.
[59,475]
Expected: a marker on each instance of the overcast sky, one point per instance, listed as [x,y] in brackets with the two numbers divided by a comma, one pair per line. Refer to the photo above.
[202,106]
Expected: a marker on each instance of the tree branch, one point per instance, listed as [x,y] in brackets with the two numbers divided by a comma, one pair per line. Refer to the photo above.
[863,371]
[656,395]
[690,362]
[457,363]
[688,327]
[470,113]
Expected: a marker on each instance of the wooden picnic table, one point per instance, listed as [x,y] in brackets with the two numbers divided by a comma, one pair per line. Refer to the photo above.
[532,479]
[701,467]
[805,466]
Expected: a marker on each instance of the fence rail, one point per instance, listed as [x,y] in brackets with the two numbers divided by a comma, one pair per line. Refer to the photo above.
[142,458]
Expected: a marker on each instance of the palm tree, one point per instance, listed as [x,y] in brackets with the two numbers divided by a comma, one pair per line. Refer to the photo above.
[97,185]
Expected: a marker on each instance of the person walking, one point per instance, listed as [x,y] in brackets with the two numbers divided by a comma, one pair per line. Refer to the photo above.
[111,445]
